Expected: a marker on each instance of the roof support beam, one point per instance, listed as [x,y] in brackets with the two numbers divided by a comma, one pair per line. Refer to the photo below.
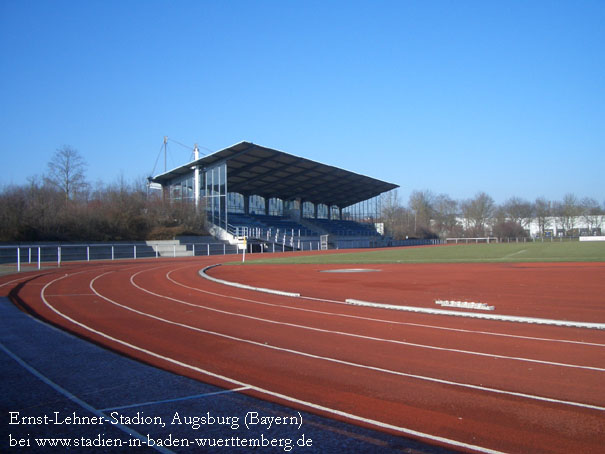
[252,169]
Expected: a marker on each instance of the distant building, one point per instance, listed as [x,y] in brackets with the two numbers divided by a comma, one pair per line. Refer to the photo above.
[576,226]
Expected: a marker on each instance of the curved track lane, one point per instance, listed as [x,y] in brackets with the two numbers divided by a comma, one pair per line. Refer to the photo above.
[472,385]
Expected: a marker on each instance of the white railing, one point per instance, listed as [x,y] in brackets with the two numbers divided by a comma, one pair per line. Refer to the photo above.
[551,239]
[471,240]
[36,256]
[286,238]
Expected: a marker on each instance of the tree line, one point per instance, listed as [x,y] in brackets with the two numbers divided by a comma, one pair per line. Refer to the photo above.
[62,205]
[429,215]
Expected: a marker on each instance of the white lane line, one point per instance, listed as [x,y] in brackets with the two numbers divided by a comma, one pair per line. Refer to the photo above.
[512,254]
[71,294]
[359,336]
[431,311]
[29,276]
[496,317]
[178,399]
[75,399]
[284,397]
[310,355]
[379,320]
[23,278]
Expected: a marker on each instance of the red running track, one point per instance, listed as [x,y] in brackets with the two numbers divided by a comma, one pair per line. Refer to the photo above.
[472,385]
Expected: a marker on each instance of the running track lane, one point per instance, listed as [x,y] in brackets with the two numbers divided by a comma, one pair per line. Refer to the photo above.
[476,389]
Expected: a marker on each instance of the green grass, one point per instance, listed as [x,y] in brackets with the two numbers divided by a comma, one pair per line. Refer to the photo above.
[474,253]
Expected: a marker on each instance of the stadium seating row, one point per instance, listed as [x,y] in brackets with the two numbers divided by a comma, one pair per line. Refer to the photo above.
[274,224]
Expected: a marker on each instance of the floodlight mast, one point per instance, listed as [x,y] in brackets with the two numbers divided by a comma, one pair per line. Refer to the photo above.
[165,152]
[196,176]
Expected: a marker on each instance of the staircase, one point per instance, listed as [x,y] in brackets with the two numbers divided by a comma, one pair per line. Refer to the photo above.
[170,248]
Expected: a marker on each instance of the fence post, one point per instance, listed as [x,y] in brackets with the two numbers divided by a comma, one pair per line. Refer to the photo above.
[174,251]
[39,257]
[88,253]
[194,249]
[112,252]
[18,259]
[58,256]
[224,249]
[208,248]
[135,251]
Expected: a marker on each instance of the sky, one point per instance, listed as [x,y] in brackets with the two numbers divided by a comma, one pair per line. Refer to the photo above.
[454,97]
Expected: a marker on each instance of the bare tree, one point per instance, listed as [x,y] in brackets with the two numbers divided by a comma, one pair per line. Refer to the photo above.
[446,213]
[396,218]
[568,211]
[66,172]
[477,212]
[518,211]
[505,225]
[12,204]
[591,213]
[421,204]
[543,212]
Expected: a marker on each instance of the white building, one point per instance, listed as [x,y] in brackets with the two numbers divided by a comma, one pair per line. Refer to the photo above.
[573,226]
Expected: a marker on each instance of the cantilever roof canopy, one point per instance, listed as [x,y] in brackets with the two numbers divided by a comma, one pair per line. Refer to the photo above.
[253,169]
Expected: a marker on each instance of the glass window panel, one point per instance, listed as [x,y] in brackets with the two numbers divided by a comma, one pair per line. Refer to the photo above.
[308,210]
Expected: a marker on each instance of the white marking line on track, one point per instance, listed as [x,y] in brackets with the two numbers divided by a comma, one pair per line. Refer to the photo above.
[43,378]
[71,294]
[410,344]
[501,318]
[420,325]
[25,278]
[178,399]
[347,363]
[512,254]
[431,311]
[350,416]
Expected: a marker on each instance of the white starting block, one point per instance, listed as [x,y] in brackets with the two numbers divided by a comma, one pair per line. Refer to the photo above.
[465,305]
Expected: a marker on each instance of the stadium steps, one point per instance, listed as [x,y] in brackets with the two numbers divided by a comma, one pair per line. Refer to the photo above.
[170,248]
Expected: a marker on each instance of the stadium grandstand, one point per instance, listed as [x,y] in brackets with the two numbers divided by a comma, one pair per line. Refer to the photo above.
[268,196]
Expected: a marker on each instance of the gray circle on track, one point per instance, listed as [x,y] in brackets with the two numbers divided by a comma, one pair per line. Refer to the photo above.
[349,270]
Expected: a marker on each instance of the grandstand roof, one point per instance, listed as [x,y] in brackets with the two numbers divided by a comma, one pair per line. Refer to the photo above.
[254,169]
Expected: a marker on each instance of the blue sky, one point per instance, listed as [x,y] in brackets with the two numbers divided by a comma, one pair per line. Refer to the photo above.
[506,97]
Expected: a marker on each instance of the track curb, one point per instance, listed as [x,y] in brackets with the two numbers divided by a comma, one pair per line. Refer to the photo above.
[202,273]
[422,310]
[501,318]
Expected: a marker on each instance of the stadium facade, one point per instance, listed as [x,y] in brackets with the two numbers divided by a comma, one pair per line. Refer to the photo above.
[259,192]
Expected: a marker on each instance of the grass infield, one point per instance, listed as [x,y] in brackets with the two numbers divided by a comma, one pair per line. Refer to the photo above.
[471,253]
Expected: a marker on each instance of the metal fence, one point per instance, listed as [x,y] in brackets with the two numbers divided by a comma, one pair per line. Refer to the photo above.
[21,257]
[546,239]
[36,256]
[414,242]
